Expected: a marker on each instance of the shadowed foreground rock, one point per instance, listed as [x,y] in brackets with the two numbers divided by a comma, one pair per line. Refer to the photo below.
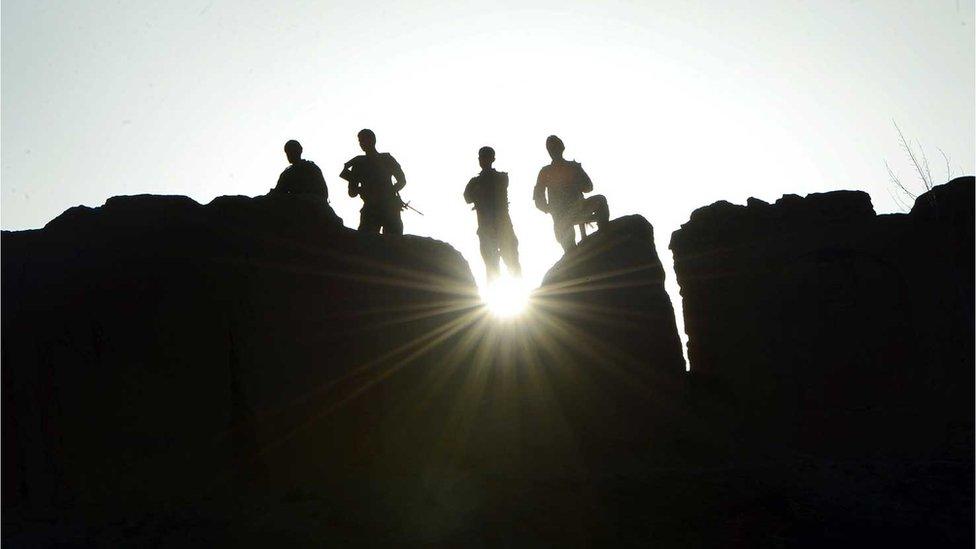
[156,350]
[252,373]
[820,332]
[828,329]
[611,290]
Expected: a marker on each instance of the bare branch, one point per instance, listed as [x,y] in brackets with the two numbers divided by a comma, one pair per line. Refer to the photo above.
[916,154]
[900,202]
[947,163]
[912,156]
[896,181]
[927,176]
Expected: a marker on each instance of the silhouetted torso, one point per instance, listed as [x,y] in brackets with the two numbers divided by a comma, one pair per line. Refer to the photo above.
[565,181]
[374,172]
[488,191]
[302,177]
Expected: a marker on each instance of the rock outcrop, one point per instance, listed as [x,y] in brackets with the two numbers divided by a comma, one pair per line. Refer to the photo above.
[611,288]
[250,372]
[816,326]
[154,345]
[254,352]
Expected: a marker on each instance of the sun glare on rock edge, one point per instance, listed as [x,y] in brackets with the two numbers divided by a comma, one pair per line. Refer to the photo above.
[506,297]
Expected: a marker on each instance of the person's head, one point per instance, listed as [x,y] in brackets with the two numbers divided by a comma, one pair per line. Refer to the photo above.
[293,150]
[486,156]
[555,147]
[367,140]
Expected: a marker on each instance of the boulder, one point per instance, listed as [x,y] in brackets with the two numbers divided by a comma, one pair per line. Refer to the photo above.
[170,365]
[816,326]
[155,346]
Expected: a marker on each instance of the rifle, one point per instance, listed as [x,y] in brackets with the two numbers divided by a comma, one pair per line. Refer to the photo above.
[406,205]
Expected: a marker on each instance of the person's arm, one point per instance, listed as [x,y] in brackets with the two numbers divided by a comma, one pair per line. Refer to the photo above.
[539,194]
[349,176]
[280,187]
[586,185]
[469,192]
[501,199]
[346,172]
[401,180]
[320,180]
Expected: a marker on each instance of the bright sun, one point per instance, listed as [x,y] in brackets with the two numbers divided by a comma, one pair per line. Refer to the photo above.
[506,297]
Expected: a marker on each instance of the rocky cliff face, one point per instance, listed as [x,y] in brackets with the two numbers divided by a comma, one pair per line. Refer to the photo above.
[158,352]
[815,325]
[154,344]
[611,288]
[251,372]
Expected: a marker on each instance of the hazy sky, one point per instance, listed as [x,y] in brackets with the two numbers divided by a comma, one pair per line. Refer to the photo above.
[669,105]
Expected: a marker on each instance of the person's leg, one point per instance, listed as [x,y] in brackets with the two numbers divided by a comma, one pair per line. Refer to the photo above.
[368,223]
[508,246]
[489,252]
[595,208]
[393,224]
[562,226]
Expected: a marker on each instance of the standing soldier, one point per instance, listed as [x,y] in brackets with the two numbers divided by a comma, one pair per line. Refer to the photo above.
[488,191]
[559,191]
[369,177]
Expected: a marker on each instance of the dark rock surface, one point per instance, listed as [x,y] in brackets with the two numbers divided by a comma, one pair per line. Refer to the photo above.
[817,327]
[252,372]
[154,346]
[611,287]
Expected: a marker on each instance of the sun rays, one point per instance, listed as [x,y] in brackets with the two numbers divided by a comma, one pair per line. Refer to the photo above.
[503,363]
[506,297]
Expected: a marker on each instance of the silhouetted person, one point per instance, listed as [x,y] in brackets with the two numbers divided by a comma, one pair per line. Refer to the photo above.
[559,191]
[369,176]
[302,177]
[488,191]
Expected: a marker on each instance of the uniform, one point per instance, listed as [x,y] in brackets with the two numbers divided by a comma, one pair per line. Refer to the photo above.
[489,193]
[564,182]
[371,179]
[302,177]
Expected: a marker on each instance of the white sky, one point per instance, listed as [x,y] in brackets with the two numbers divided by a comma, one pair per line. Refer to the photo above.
[669,105]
